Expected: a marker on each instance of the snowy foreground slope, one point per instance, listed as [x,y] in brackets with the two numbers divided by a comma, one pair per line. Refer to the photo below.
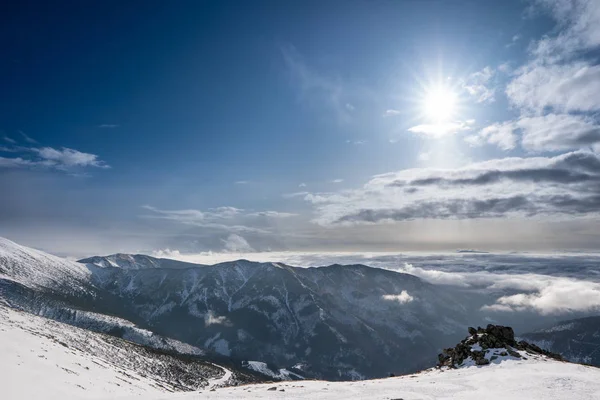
[489,364]
[534,378]
[44,359]
[537,377]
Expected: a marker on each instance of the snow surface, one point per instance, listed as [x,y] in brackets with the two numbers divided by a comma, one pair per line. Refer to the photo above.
[532,379]
[33,366]
[33,268]
[63,361]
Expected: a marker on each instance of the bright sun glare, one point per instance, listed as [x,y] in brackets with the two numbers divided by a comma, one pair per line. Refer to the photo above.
[439,104]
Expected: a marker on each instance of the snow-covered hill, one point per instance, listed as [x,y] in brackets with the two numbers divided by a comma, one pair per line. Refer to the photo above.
[41,358]
[36,269]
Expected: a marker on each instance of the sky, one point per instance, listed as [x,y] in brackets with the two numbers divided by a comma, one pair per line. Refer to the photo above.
[348,126]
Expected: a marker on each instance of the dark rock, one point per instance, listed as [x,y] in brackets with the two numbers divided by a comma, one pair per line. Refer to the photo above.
[492,337]
[272,388]
[482,361]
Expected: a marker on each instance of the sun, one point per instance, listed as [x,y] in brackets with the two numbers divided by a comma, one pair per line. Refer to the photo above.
[439,104]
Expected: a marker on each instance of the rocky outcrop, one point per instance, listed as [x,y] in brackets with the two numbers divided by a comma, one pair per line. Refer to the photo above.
[485,345]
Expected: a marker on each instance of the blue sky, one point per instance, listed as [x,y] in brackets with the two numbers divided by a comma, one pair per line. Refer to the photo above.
[257,126]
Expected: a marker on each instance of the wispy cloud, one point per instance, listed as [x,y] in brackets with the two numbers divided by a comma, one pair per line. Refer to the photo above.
[241,182]
[295,194]
[28,138]
[391,113]
[109,126]
[64,159]
[513,41]
[479,85]
[317,87]
[271,214]
[9,140]
[229,219]
[337,181]
[442,129]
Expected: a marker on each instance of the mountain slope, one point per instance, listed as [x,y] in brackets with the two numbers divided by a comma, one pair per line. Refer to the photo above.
[336,322]
[577,340]
[68,362]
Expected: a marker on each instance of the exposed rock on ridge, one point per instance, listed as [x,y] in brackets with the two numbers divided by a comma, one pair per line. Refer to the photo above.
[485,345]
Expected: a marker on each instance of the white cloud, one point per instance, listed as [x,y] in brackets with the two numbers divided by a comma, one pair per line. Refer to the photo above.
[543,294]
[211,319]
[236,244]
[391,113]
[564,88]
[547,133]
[337,181]
[559,132]
[64,159]
[441,129]
[241,182]
[108,126]
[67,158]
[302,185]
[478,85]
[499,134]
[580,29]
[9,140]
[552,296]
[401,298]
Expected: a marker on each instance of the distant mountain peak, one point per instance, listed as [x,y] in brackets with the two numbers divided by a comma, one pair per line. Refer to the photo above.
[136,262]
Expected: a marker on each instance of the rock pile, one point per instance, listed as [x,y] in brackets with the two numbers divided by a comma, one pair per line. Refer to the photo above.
[488,344]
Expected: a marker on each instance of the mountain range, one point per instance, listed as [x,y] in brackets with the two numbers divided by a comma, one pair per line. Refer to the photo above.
[333,322]
[274,321]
